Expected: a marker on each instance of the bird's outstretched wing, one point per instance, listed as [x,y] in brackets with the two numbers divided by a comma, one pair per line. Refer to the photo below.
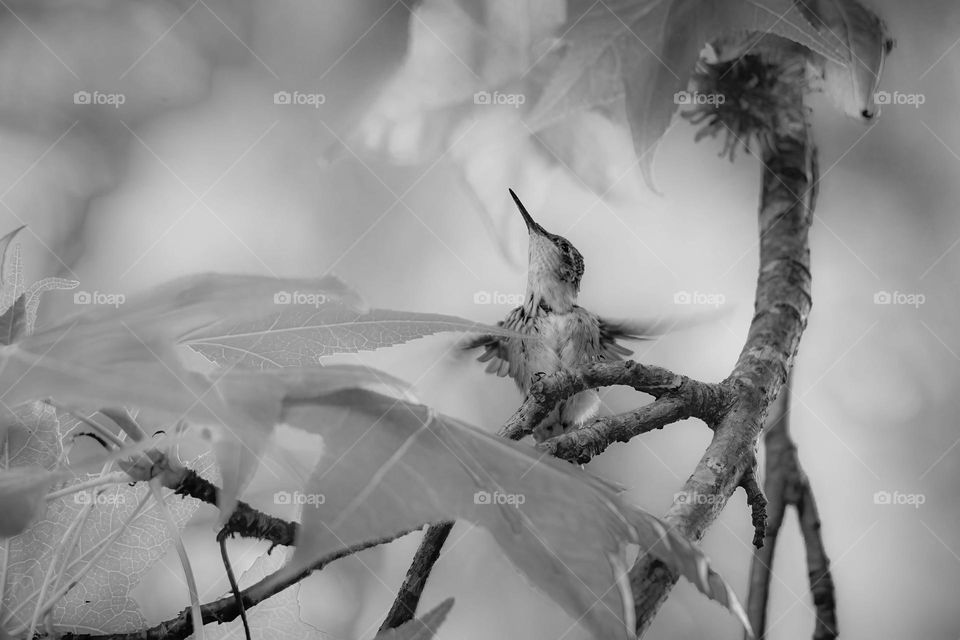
[503,354]
[613,330]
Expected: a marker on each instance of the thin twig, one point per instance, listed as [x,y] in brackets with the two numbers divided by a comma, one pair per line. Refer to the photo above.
[758,506]
[234,588]
[583,444]
[775,481]
[818,566]
[227,609]
[245,521]
[701,399]
[404,606]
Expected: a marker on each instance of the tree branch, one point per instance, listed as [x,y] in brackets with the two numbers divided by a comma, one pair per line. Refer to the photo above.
[581,445]
[227,609]
[758,506]
[775,485]
[818,566]
[245,521]
[735,408]
[404,606]
[783,303]
[786,484]
[677,397]
[700,399]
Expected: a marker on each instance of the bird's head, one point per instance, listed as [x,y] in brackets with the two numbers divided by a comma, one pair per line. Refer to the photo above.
[555,265]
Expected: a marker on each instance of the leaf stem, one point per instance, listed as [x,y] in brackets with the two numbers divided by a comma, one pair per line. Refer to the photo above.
[196,616]
[227,609]
[98,428]
[117,477]
[234,588]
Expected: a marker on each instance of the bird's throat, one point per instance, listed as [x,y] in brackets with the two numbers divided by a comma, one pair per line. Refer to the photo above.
[544,296]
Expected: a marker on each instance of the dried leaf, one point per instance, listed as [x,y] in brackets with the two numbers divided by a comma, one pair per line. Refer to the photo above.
[862,38]
[99,602]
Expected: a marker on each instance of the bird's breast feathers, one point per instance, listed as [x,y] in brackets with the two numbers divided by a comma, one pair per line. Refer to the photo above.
[563,341]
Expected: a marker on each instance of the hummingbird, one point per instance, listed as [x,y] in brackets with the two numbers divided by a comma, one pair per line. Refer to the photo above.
[567,336]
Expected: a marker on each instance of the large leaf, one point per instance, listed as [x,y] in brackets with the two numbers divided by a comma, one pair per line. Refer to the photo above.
[22,492]
[277,617]
[645,52]
[300,335]
[99,602]
[127,355]
[390,465]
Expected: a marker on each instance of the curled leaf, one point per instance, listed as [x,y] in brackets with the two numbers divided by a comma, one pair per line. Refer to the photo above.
[864,42]
[36,290]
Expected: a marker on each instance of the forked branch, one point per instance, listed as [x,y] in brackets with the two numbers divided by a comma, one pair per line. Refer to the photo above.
[786,484]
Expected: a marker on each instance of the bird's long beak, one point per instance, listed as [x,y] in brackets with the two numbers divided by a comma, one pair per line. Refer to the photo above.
[532,226]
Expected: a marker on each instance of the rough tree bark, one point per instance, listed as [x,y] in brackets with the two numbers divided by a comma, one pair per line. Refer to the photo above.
[783,302]
[785,483]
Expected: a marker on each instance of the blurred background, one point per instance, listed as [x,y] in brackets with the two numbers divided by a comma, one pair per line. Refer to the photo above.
[145,140]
